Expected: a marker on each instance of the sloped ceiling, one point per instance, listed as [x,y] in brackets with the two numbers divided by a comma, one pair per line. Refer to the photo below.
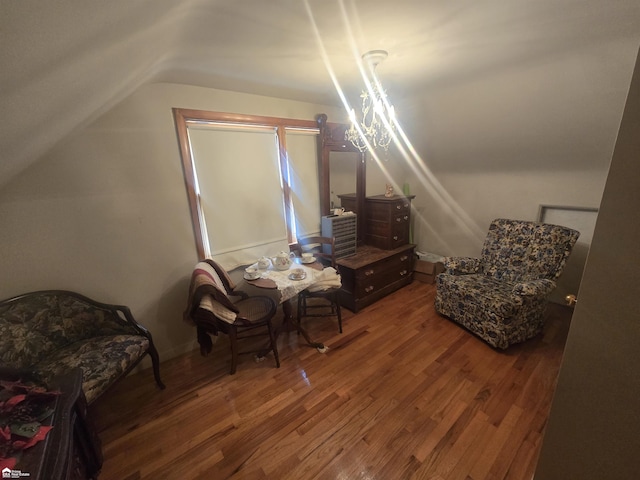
[66,62]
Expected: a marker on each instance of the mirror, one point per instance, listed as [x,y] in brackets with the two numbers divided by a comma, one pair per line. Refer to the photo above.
[342,172]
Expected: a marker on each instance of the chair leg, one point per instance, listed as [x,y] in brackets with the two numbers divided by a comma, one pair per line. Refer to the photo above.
[302,308]
[155,360]
[338,311]
[233,342]
[274,345]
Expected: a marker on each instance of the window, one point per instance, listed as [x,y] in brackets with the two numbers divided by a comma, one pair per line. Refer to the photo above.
[304,194]
[252,183]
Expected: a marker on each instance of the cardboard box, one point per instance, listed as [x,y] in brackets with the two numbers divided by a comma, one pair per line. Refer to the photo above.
[425,271]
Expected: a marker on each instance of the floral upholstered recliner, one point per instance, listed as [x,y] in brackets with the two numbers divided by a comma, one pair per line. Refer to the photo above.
[501,296]
[52,331]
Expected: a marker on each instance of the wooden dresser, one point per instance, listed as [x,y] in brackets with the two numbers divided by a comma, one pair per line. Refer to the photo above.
[373,273]
[384,258]
[387,221]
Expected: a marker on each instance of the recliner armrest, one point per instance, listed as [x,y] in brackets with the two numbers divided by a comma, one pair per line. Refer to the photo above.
[462,265]
[539,288]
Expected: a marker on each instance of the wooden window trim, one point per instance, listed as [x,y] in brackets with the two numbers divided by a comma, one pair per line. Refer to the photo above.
[184,117]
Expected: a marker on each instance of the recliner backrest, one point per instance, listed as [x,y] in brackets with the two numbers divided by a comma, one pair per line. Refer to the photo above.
[518,250]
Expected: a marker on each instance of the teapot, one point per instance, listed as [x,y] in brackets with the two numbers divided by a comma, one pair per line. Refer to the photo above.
[282,261]
[264,263]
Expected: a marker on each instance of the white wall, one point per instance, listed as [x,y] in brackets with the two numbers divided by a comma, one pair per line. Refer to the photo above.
[485,196]
[505,141]
[105,213]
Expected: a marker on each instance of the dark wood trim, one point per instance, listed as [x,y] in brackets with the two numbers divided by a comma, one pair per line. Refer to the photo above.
[331,139]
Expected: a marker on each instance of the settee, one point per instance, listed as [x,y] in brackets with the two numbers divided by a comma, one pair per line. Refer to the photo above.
[501,296]
[51,331]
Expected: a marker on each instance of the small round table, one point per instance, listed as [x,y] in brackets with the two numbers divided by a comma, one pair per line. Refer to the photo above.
[287,307]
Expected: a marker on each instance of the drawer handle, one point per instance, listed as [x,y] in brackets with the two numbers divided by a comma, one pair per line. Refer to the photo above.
[406,205]
[399,219]
[403,273]
[399,207]
[369,289]
[404,257]
[406,217]
[369,272]
[395,237]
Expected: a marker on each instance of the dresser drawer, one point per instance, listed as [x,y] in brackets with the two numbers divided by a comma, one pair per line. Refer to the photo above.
[378,229]
[401,207]
[400,219]
[373,273]
[379,206]
[373,285]
[377,276]
[389,236]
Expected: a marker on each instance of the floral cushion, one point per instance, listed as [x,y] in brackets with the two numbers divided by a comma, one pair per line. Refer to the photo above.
[501,296]
[103,360]
[489,308]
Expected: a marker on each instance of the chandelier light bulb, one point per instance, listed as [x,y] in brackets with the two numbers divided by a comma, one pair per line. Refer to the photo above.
[372,132]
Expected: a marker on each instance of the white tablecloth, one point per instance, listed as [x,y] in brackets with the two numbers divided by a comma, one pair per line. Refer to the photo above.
[290,288]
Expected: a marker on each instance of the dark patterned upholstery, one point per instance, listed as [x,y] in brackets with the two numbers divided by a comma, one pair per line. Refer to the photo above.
[50,332]
[501,296]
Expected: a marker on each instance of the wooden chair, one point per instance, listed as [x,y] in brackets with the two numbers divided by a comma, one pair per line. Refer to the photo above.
[324,252]
[211,310]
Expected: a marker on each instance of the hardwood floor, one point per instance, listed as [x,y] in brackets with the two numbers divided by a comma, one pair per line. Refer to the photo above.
[402,393]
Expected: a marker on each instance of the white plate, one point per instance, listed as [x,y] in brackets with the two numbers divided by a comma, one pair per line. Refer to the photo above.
[293,276]
[251,277]
[311,260]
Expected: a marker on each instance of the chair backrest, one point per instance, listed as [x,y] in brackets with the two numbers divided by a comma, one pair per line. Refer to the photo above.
[211,283]
[518,250]
[323,248]
[222,277]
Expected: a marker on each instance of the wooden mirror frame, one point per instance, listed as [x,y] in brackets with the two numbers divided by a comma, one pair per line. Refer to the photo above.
[331,139]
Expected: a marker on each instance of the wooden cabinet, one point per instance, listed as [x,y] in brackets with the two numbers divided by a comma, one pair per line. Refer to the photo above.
[384,258]
[372,273]
[387,221]
[385,262]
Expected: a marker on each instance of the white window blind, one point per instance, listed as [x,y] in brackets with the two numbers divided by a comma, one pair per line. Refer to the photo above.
[238,174]
[303,179]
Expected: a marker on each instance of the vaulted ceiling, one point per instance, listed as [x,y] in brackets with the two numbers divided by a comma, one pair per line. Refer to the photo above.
[66,62]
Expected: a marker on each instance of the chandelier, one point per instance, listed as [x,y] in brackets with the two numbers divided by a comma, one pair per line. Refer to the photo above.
[376,127]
